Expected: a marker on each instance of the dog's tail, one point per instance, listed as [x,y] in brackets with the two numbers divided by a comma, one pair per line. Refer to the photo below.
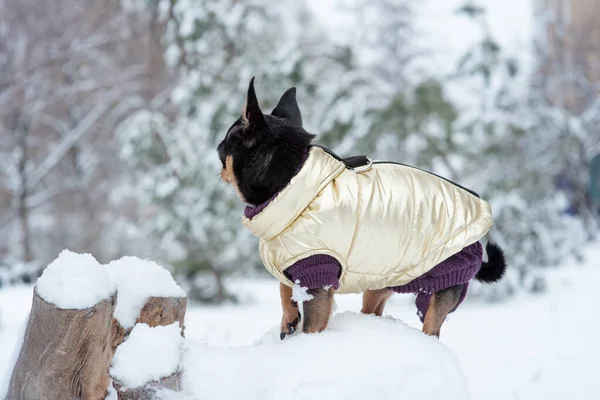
[493,270]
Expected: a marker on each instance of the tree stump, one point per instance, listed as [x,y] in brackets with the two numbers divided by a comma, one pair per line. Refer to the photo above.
[73,329]
[148,391]
[65,354]
[149,359]
[158,311]
[163,311]
[147,294]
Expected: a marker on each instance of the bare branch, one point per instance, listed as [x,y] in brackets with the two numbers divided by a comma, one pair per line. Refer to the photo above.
[68,142]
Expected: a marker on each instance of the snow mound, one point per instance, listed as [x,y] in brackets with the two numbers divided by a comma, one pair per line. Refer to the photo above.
[13,359]
[147,355]
[137,281]
[74,281]
[358,357]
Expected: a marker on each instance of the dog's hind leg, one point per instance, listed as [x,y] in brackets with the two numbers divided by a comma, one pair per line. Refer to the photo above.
[440,304]
[374,301]
[317,310]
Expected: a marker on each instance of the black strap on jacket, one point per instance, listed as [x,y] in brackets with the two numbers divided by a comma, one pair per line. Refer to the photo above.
[363,163]
[353,162]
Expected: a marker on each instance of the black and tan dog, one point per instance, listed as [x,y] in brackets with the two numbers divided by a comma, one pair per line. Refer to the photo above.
[351,225]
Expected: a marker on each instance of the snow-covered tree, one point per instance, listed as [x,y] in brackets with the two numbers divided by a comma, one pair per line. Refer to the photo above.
[477,127]
[512,158]
[566,100]
[67,77]
[409,117]
[217,47]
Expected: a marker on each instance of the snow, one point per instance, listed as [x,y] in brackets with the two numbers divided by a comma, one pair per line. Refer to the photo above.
[443,33]
[442,36]
[147,355]
[75,281]
[13,358]
[299,293]
[112,392]
[357,357]
[533,347]
[137,281]
[447,34]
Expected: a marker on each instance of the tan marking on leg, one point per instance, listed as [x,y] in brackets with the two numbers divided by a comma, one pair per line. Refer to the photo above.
[374,301]
[440,305]
[431,321]
[384,298]
[317,310]
[285,292]
[291,313]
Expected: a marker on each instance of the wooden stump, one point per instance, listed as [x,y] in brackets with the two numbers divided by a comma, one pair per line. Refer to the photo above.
[163,311]
[65,353]
[158,311]
[148,391]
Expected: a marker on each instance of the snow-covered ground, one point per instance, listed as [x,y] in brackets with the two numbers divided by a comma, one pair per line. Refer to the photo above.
[533,347]
[358,357]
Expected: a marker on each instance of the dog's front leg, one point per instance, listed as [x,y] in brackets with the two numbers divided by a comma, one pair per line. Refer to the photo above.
[440,304]
[291,313]
[317,310]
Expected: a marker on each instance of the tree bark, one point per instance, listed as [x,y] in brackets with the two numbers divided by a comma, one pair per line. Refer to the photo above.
[158,311]
[163,311]
[23,213]
[221,291]
[148,391]
[221,295]
[22,210]
[65,354]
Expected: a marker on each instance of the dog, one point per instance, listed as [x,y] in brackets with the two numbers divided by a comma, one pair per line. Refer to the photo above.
[334,225]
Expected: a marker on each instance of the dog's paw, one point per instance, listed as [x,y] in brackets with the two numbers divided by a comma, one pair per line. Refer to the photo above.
[289,322]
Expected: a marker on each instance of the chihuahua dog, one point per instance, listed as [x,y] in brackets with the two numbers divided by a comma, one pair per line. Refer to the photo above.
[334,225]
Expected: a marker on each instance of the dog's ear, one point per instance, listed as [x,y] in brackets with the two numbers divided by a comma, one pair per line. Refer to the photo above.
[253,118]
[288,109]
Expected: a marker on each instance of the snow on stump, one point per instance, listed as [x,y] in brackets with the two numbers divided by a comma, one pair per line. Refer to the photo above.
[148,294]
[147,362]
[358,357]
[66,349]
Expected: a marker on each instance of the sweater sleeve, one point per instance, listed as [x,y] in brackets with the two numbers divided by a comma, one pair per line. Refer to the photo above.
[315,272]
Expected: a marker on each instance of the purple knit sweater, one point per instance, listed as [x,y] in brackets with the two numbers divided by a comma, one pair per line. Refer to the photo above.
[323,270]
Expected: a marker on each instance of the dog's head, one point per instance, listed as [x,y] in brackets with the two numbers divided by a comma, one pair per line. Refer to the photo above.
[262,152]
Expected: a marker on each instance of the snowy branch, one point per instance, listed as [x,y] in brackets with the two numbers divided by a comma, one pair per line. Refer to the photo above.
[70,139]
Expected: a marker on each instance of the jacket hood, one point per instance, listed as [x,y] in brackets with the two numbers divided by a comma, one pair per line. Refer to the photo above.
[319,169]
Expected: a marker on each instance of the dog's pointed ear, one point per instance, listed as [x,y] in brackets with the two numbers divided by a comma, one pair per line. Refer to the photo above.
[287,108]
[252,113]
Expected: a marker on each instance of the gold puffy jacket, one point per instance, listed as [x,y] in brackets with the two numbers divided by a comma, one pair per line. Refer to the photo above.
[386,226]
